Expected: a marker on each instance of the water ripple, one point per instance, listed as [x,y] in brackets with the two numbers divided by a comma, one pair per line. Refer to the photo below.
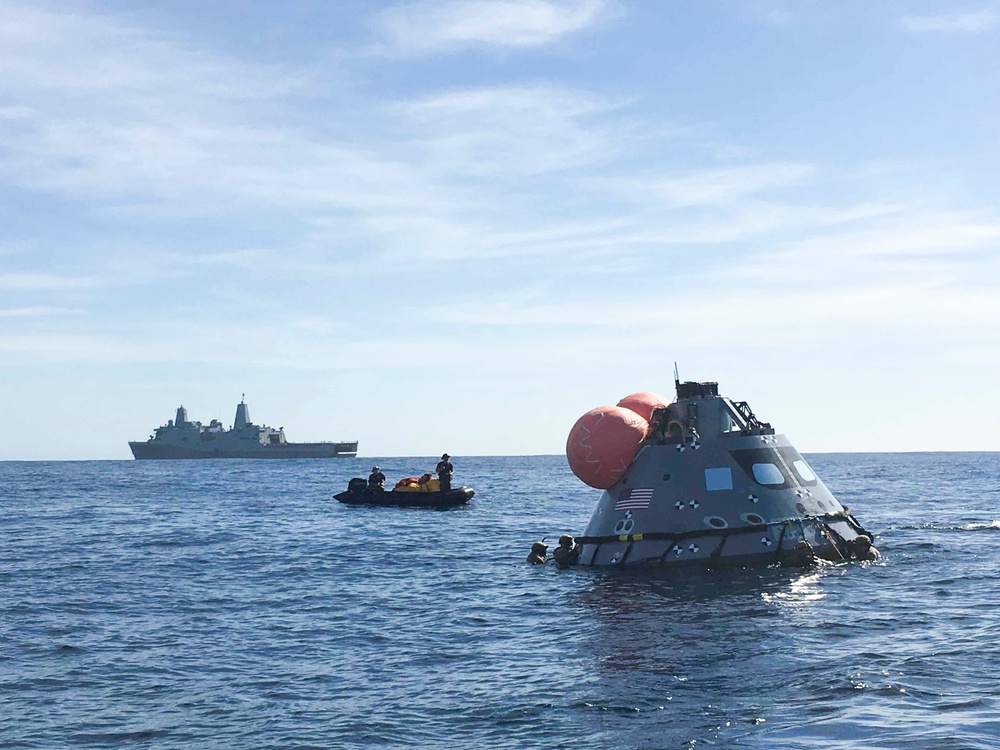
[232,604]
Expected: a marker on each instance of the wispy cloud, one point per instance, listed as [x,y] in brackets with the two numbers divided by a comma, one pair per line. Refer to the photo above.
[173,139]
[434,27]
[509,130]
[45,282]
[955,23]
[556,180]
[914,275]
[84,55]
[35,311]
[770,14]
[720,186]
[136,120]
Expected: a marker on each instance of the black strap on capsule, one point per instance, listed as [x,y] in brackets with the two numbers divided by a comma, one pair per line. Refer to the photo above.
[668,550]
[718,551]
[781,538]
[835,539]
[670,537]
[680,536]
[624,556]
[676,538]
[593,557]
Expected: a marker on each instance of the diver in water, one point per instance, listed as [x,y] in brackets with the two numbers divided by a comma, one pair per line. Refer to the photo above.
[862,549]
[538,552]
[444,471]
[568,551]
[801,555]
[376,480]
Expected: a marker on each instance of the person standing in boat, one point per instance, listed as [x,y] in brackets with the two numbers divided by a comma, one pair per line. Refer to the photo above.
[376,480]
[444,471]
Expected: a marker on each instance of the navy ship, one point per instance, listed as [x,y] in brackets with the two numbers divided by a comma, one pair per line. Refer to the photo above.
[707,484]
[181,438]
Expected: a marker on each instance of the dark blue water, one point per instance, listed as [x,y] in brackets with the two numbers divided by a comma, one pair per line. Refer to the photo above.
[233,604]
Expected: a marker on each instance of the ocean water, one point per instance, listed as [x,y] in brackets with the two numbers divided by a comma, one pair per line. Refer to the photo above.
[234,604]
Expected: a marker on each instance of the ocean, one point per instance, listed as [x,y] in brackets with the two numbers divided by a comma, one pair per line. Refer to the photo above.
[235,604]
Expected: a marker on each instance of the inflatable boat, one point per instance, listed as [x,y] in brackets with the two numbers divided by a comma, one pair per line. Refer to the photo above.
[358,493]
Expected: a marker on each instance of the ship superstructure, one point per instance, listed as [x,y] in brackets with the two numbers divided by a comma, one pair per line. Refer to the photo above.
[182,438]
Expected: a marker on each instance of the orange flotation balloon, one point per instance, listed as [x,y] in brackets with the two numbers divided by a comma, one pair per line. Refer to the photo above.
[603,443]
[643,403]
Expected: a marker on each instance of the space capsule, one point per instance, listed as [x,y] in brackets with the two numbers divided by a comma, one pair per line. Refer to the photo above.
[705,484]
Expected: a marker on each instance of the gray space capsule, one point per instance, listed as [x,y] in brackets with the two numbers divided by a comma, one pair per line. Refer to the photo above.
[712,485]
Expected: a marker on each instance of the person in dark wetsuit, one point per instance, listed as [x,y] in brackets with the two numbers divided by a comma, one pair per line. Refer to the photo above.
[568,551]
[376,480]
[537,554]
[862,549]
[444,471]
[801,555]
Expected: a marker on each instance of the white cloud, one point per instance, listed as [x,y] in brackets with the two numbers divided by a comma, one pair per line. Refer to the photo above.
[913,246]
[722,186]
[34,311]
[961,23]
[914,276]
[87,55]
[509,131]
[769,13]
[432,27]
[129,119]
[408,186]
[911,310]
[31,281]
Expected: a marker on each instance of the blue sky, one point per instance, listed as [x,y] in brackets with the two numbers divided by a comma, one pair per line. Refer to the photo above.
[456,226]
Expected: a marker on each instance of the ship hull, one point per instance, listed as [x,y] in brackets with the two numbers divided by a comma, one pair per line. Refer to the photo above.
[145,451]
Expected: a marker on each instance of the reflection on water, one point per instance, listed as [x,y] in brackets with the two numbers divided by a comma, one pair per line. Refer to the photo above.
[691,650]
[802,592]
[696,592]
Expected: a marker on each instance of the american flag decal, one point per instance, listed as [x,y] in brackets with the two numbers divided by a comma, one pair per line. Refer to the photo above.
[635,499]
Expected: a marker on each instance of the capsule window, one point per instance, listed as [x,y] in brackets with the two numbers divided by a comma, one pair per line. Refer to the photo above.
[716,522]
[764,466]
[767,474]
[753,518]
[803,470]
[718,479]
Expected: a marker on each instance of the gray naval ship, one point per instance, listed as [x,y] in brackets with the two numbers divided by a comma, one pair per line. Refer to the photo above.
[181,438]
[712,485]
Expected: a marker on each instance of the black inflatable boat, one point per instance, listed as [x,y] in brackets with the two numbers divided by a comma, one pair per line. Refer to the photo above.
[357,493]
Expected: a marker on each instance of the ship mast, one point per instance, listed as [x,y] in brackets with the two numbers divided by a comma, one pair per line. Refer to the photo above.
[242,415]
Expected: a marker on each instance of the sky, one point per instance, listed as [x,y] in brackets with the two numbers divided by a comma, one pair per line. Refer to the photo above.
[457,225]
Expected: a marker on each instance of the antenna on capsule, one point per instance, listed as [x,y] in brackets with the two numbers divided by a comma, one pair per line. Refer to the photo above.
[677,377]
